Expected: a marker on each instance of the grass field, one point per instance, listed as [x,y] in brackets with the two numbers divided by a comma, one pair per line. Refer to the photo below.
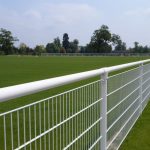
[17,70]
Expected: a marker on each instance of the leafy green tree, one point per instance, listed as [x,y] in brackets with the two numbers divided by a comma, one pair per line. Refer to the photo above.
[124,46]
[139,48]
[15,50]
[146,49]
[115,39]
[52,48]
[23,49]
[65,42]
[136,47]
[7,41]
[57,42]
[57,45]
[120,47]
[82,49]
[1,51]
[30,51]
[117,42]
[39,49]
[76,43]
[100,41]
[73,46]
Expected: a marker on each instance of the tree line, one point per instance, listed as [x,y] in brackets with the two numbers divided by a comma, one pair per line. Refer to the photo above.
[102,41]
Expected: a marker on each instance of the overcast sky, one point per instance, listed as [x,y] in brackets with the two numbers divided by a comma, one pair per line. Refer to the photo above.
[40,21]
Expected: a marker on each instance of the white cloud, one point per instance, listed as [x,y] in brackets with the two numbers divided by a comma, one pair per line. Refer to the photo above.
[43,23]
[71,12]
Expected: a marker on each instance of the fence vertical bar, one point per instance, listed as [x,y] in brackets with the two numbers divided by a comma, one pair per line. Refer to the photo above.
[141,90]
[4,118]
[103,125]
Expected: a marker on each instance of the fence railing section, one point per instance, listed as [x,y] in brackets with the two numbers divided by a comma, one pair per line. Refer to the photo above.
[98,115]
[97,54]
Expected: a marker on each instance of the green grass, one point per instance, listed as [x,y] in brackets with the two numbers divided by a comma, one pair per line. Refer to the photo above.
[138,138]
[17,70]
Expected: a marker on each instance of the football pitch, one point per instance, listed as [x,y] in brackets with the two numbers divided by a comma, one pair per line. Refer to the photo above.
[22,69]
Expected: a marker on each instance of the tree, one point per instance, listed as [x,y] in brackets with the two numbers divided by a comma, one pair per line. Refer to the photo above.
[15,50]
[73,46]
[100,40]
[76,43]
[6,41]
[136,47]
[121,46]
[124,46]
[62,50]
[117,42]
[23,49]
[115,39]
[65,42]
[57,45]
[51,48]
[54,47]
[140,49]
[39,49]
[146,49]
[82,49]
[57,42]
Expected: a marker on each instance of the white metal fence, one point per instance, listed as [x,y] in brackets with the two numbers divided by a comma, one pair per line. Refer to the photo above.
[97,54]
[98,115]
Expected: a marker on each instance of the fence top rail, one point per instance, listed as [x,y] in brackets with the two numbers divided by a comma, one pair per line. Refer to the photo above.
[20,90]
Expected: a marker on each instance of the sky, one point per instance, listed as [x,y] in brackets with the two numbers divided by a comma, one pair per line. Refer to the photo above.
[40,21]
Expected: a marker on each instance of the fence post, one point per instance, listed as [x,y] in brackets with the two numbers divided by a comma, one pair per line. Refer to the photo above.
[141,90]
[103,125]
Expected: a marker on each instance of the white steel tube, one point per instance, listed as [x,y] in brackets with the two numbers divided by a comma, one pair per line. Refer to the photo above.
[5,138]
[18,123]
[103,106]
[123,66]
[141,90]
[35,118]
[12,132]
[37,86]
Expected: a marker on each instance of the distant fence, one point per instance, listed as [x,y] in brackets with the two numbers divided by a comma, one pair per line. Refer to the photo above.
[98,115]
[96,54]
